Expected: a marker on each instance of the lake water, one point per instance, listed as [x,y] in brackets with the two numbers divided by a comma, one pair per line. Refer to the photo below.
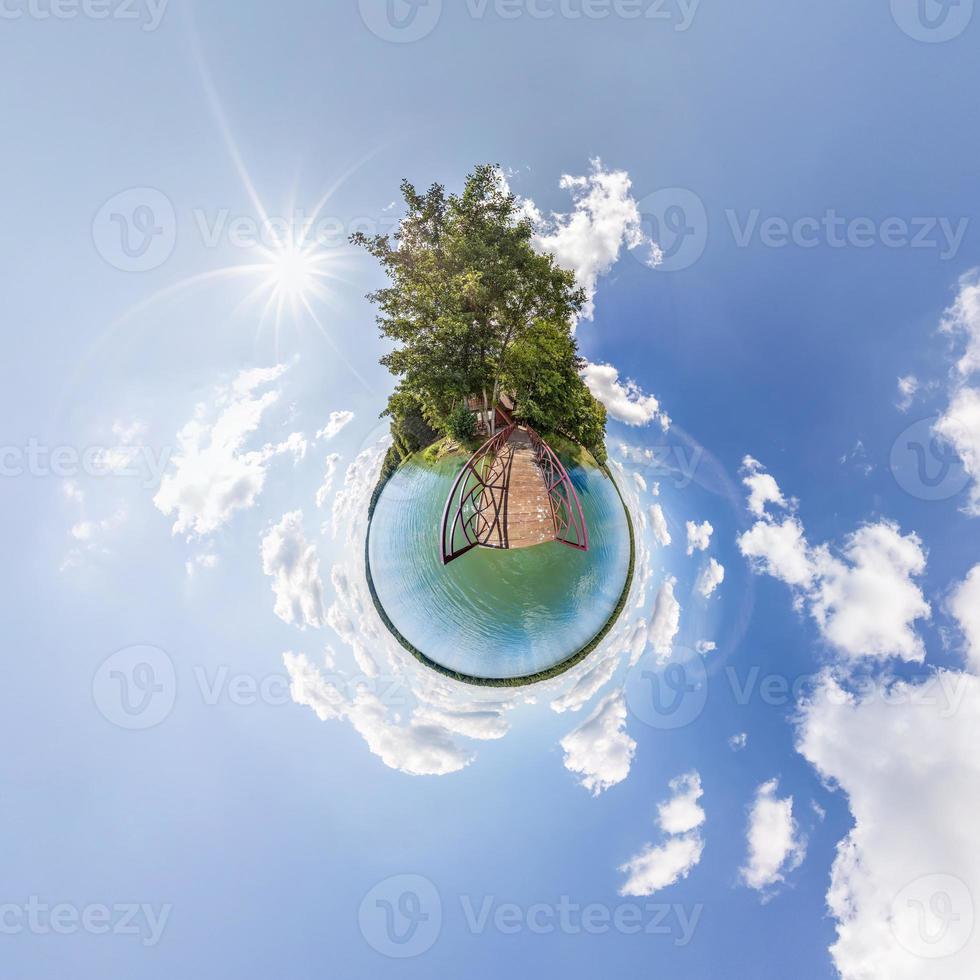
[495,614]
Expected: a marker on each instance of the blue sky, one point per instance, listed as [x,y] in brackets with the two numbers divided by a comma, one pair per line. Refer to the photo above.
[774,207]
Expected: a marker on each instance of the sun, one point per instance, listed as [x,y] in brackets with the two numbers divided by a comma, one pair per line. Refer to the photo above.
[293,272]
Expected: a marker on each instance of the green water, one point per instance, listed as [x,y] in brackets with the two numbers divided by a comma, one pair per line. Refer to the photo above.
[495,614]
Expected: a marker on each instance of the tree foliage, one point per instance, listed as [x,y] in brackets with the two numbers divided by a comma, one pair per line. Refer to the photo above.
[473,309]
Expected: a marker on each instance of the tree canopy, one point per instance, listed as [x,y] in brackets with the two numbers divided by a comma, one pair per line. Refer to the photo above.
[474,310]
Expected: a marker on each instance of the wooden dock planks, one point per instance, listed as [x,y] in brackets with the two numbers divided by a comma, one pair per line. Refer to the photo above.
[529,519]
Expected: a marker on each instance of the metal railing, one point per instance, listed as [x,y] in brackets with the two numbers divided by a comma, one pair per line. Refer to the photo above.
[476,508]
[474,512]
[566,508]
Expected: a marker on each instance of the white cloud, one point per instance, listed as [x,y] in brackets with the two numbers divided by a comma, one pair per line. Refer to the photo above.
[706,646]
[682,812]
[963,318]
[326,488]
[906,756]
[738,742]
[867,604]
[586,687]
[338,421]
[624,400]
[605,218]
[865,601]
[212,474]
[710,578]
[88,532]
[640,483]
[775,845]
[470,721]
[600,751]
[666,621]
[960,427]
[410,718]
[779,550]
[658,524]
[121,458]
[656,868]
[763,488]
[908,388]
[294,567]
[964,606]
[418,749]
[206,560]
[88,535]
[680,818]
[698,536]
[359,481]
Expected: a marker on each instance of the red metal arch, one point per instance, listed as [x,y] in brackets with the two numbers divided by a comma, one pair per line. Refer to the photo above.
[476,508]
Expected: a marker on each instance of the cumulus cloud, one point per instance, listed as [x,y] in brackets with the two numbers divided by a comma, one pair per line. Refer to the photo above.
[738,742]
[666,621]
[775,845]
[485,724]
[604,219]
[680,818]
[959,425]
[624,400]
[294,567]
[600,751]
[914,792]
[864,598]
[962,319]
[337,421]
[698,536]
[418,749]
[656,868]
[658,524]
[762,486]
[779,550]
[866,603]
[682,812]
[964,606]
[711,577]
[585,688]
[212,474]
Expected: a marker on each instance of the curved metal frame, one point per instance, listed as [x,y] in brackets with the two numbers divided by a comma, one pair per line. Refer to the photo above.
[482,487]
[566,508]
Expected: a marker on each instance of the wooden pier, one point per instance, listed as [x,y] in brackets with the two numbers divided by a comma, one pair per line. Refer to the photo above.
[512,493]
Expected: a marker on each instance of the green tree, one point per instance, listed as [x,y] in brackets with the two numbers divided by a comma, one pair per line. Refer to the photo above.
[543,371]
[473,309]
